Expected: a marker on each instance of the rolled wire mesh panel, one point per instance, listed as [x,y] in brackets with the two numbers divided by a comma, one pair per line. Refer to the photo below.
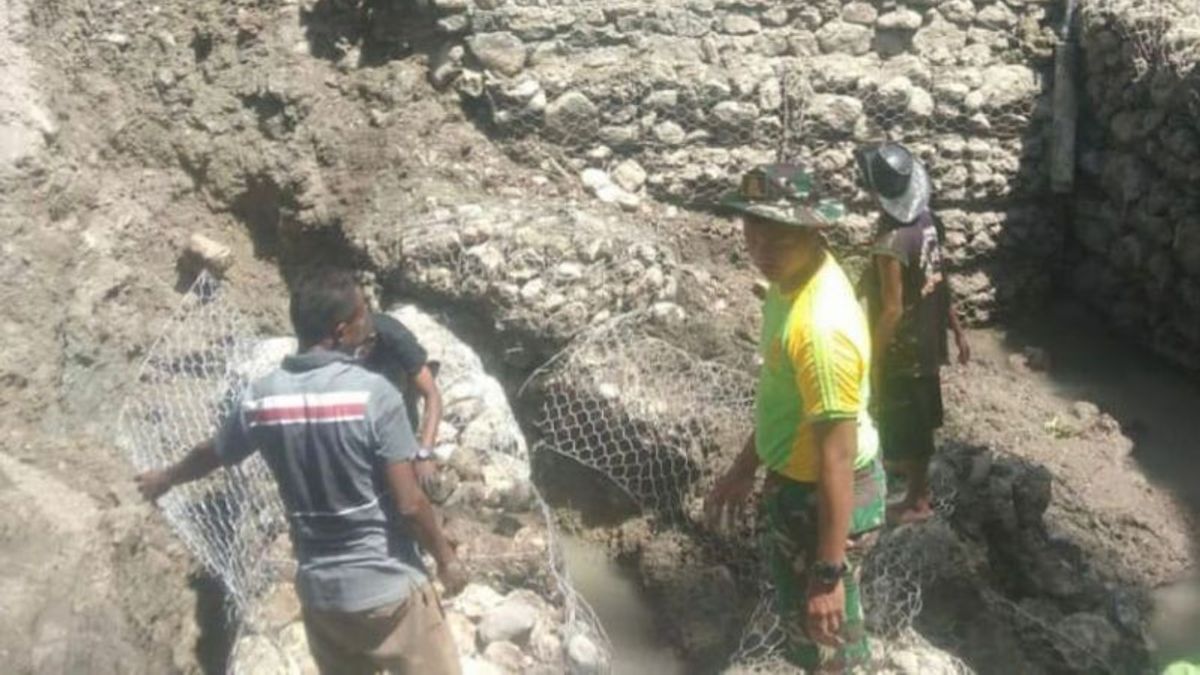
[645,413]
[188,383]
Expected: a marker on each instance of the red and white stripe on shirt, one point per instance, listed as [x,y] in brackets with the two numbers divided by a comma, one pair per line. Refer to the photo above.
[323,408]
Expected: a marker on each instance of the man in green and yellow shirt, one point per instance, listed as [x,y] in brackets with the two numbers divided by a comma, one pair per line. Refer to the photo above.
[824,496]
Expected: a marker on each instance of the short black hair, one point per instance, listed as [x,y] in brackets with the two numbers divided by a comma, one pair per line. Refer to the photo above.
[321,299]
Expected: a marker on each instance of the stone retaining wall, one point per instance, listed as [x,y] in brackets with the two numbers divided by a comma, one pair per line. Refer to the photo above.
[1136,228]
[674,99]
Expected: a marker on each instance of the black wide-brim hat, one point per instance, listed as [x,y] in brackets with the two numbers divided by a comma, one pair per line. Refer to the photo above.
[898,180]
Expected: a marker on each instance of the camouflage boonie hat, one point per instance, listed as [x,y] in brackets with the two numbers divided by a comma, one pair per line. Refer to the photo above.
[785,194]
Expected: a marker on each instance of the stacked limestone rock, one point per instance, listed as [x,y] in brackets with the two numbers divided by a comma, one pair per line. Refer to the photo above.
[519,615]
[1137,235]
[550,273]
[673,99]
[642,410]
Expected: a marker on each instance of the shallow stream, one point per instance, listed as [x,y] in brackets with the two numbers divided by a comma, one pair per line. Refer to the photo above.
[639,647]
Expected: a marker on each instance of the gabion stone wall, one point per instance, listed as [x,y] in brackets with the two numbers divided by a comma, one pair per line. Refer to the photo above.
[1136,227]
[672,99]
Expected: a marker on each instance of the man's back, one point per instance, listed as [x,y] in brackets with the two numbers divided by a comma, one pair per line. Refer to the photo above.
[398,356]
[326,427]
[919,347]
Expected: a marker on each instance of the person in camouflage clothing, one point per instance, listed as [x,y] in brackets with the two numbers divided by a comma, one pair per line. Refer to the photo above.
[823,501]
[910,310]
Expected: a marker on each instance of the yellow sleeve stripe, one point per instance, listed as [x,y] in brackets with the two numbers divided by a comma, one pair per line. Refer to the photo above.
[829,372]
[822,365]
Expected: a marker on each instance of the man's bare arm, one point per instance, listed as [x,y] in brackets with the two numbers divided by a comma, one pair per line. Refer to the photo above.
[198,463]
[422,522]
[891,311]
[729,493]
[837,445]
[960,335]
[431,417]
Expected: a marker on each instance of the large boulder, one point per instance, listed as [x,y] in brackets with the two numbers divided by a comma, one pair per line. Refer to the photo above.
[1005,86]
[511,621]
[584,657]
[902,19]
[839,37]
[501,52]
[940,41]
[834,113]
[572,118]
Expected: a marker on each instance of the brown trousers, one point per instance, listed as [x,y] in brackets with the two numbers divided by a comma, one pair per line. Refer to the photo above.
[405,638]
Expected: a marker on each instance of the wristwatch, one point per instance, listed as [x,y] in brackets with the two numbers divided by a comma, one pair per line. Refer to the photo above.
[424,453]
[827,574]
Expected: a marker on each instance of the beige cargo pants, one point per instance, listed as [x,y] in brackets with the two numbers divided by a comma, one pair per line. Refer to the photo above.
[405,638]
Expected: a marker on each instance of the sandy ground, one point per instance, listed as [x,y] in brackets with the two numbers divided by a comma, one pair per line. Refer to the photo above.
[24,122]
[1102,492]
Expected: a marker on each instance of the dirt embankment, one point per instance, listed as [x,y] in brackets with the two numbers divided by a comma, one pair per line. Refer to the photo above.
[89,235]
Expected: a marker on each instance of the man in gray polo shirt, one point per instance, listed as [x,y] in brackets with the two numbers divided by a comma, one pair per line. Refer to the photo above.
[338,442]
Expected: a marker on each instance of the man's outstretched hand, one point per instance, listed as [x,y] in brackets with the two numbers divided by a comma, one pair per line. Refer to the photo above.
[453,577]
[728,496]
[153,484]
[826,614]
[427,477]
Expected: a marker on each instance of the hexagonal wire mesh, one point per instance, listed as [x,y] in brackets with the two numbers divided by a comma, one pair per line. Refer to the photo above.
[658,422]
[1151,35]
[1151,43]
[188,383]
[674,101]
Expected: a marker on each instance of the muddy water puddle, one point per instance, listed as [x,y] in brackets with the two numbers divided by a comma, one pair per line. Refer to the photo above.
[639,646]
[1176,624]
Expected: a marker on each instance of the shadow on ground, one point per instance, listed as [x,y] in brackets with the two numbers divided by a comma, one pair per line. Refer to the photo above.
[1156,403]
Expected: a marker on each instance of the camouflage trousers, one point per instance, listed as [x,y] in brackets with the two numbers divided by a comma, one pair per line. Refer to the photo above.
[791,544]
